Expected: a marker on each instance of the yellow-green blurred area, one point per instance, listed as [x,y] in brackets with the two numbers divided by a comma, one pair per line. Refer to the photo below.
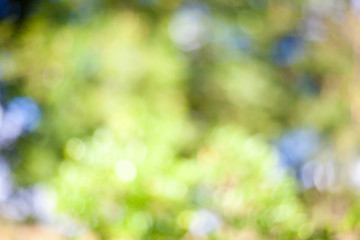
[156,119]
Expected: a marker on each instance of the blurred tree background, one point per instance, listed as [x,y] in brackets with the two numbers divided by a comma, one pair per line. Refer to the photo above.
[153,119]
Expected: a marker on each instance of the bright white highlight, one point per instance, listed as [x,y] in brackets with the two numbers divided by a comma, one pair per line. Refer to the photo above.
[126,171]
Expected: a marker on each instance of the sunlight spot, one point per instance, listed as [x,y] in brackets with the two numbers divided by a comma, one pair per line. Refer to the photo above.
[126,171]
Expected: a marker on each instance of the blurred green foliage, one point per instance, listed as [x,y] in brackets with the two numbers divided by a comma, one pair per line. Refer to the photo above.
[140,139]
